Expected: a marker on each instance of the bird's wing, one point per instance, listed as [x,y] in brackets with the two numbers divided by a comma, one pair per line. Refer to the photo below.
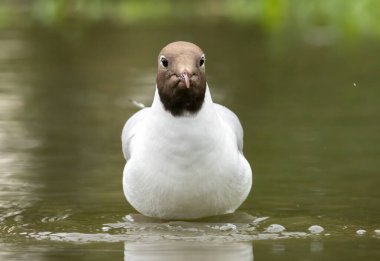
[233,122]
[130,129]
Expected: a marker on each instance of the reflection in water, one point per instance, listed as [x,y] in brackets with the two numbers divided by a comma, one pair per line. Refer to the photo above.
[278,248]
[316,246]
[188,251]
[15,143]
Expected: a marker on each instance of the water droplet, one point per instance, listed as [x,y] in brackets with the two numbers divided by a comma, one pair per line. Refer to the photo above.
[227,227]
[106,229]
[129,218]
[361,232]
[275,228]
[315,229]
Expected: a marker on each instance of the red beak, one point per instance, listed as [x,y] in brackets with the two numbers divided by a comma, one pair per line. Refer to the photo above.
[185,77]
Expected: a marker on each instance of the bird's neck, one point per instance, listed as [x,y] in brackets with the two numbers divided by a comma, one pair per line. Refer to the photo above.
[159,106]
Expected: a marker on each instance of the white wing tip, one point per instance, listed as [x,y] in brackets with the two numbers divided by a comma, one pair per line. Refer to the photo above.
[138,104]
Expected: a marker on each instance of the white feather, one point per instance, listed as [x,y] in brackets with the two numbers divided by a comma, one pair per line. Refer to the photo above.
[185,167]
[137,104]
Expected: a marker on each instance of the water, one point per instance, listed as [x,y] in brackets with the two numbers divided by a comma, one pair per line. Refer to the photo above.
[311,120]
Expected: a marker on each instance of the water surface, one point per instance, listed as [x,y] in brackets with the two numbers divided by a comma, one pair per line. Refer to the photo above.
[311,120]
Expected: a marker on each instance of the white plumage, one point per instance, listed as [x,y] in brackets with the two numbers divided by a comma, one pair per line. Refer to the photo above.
[185,167]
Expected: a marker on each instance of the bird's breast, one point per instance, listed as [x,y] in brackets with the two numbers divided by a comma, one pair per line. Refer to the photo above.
[179,146]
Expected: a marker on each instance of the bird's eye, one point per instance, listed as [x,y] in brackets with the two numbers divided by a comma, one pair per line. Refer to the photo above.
[164,62]
[202,61]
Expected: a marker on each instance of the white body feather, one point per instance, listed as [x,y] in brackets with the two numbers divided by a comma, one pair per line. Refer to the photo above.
[185,167]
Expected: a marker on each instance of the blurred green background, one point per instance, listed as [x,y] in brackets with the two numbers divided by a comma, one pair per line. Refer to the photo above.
[341,19]
[303,77]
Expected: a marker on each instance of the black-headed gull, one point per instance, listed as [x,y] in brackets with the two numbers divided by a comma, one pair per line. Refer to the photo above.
[184,153]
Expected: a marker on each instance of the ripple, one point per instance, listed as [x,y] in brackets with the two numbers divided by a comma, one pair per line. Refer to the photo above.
[237,227]
[55,218]
[240,227]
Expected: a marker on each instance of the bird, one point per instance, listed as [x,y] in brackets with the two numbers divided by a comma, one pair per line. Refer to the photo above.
[184,153]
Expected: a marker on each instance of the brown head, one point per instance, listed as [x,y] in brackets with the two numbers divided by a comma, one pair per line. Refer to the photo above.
[181,78]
